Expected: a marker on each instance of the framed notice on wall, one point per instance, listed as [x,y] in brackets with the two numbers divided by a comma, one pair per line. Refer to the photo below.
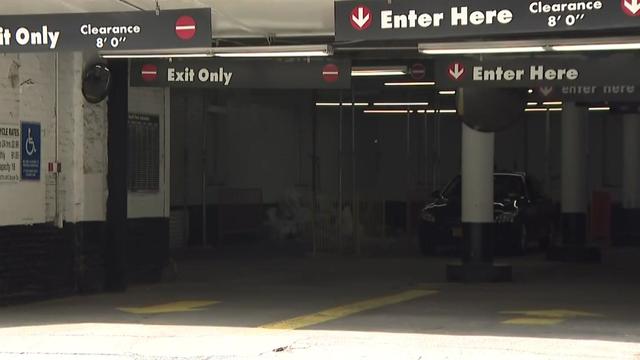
[9,153]
[144,153]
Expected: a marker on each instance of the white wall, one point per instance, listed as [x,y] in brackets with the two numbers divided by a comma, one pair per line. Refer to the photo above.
[81,195]
[154,101]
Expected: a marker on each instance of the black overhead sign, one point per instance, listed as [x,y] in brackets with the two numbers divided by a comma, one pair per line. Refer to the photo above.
[587,93]
[440,19]
[535,71]
[244,74]
[133,30]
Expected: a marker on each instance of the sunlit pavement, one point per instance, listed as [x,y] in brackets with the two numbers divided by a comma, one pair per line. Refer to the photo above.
[95,341]
[342,309]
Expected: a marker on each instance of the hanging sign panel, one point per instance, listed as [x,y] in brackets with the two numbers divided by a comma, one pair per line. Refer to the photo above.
[133,30]
[587,93]
[536,71]
[441,19]
[243,74]
[9,153]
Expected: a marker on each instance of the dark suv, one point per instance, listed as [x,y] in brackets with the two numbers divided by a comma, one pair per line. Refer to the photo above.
[523,217]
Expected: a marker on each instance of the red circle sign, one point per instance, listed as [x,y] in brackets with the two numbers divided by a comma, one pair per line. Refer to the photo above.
[185,27]
[149,72]
[361,17]
[456,71]
[418,71]
[631,7]
[330,73]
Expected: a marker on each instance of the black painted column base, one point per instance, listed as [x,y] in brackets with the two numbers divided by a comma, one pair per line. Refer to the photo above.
[477,260]
[574,247]
[479,273]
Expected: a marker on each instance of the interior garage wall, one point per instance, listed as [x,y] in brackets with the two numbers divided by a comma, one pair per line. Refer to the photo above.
[148,212]
[258,139]
[52,236]
[154,101]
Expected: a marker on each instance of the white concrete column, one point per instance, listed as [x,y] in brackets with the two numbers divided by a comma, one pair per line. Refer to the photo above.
[631,162]
[477,175]
[477,195]
[574,175]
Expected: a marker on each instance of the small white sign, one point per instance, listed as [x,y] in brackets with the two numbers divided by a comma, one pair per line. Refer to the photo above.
[9,153]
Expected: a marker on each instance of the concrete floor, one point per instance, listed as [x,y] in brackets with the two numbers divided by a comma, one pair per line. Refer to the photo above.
[365,307]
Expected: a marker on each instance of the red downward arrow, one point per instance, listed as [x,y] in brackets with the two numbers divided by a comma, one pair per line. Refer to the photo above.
[631,7]
[456,70]
[361,18]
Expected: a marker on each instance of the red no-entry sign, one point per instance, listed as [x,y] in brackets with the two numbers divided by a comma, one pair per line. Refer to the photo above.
[330,73]
[149,72]
[418,71]
[185,27]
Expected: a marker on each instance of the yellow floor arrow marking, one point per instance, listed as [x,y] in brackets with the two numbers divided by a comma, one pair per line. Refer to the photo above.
[556,313]
[545,317]
[346,310]
[174,307]
[533,321]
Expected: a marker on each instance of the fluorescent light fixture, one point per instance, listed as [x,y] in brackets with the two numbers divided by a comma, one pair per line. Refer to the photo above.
[552,103]
[410,83]
[401,104]
[387,111]
[488,47]
[154,54]
[531,46]
[597,47]
[530,91]
[379,71]
[273,51]
[600,108]
[541,109]
[343,104]
[442,111]
[532,104]
[447,92]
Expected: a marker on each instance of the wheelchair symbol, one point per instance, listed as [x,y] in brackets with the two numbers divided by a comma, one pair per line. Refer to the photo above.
[30,145]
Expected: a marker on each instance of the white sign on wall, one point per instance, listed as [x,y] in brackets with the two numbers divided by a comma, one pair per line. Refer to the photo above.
[9,153]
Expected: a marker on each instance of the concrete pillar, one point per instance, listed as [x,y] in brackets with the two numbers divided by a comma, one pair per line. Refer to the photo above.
[477,194]
[574,175]
[631,174]
[477,212]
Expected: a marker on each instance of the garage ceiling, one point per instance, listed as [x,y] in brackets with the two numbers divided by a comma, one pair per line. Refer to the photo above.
[231,18]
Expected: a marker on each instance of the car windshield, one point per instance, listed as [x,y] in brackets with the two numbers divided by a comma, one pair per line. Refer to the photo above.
[505,187]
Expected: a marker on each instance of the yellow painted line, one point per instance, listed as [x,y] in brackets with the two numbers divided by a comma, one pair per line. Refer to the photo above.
[555,313]
[347,310]
[533,321]
[174,307]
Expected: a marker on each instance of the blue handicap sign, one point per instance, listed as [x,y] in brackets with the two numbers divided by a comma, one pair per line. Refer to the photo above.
[31,150]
